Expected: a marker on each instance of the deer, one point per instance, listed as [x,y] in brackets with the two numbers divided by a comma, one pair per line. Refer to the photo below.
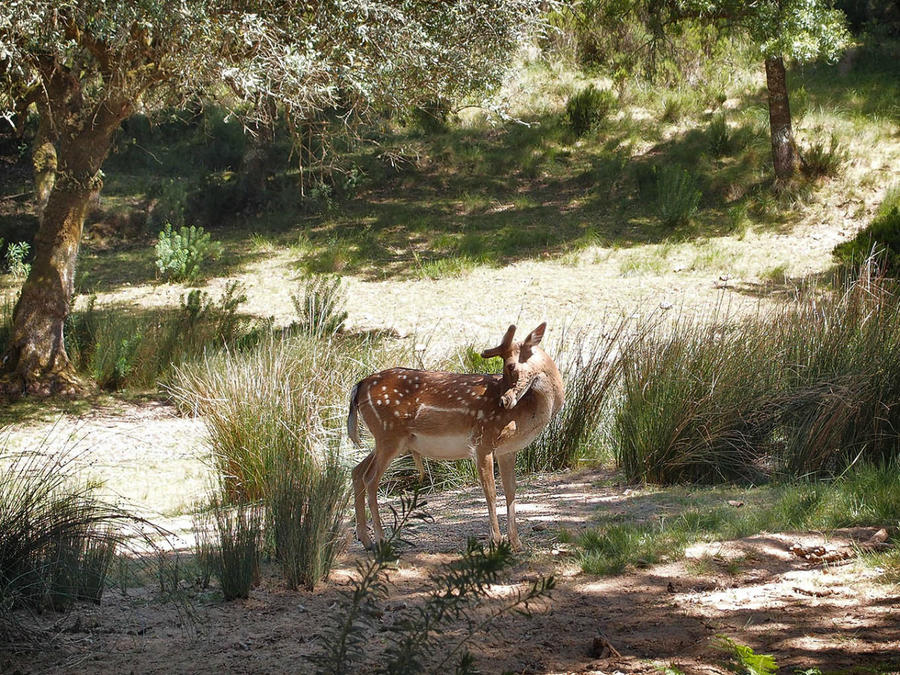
[447,416]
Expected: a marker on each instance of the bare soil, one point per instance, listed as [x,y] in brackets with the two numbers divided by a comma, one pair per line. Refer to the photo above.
[834,617]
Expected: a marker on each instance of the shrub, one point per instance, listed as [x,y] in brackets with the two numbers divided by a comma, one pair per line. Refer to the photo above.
[823,159]
[320,307]
[459,590]
[180,254]
[588,108]
[274,416]
[677,196]
[720,136]
[882,234]
[306,500]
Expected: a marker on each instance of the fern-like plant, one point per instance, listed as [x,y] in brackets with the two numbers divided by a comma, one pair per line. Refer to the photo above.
[677,196]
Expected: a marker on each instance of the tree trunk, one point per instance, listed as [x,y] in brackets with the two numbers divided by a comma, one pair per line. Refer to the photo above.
[784,151]
[36,361]
[43,160]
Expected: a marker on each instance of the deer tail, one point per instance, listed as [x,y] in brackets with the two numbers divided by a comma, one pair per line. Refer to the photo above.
[353,416]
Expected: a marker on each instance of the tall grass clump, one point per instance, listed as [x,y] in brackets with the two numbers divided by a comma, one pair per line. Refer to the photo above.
[588,108]
[810,390]
[840,381]
[590,370]
[677,196]
[274,417]
[320,306]
[57,539]
[229,538]
[693,404]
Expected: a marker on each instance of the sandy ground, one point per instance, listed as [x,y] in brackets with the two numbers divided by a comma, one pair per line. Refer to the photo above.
[828,616]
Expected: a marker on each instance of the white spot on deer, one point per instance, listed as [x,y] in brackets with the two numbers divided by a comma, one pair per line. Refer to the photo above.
[480,414]
[396,402]
[396,413]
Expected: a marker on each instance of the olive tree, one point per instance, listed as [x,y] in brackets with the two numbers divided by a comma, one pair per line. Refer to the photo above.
[86,65]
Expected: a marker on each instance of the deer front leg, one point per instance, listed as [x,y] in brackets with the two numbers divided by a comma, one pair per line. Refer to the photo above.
[507,465]
[486,474]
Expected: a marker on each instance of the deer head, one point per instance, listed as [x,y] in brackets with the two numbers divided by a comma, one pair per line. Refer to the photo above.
[522,363]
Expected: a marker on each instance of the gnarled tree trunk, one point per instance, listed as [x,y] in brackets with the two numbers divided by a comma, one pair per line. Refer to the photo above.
[784,150]
[36,361]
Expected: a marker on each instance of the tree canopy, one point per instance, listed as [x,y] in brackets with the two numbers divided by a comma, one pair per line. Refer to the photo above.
[87,65]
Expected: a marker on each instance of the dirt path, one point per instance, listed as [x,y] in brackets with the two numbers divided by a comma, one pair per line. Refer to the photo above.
[832,617]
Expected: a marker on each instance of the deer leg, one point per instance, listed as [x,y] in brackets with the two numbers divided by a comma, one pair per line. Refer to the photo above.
[372,478]
[507,465]
[359,498]
[486,474]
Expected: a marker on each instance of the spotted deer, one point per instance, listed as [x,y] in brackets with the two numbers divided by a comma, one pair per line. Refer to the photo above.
[450,416]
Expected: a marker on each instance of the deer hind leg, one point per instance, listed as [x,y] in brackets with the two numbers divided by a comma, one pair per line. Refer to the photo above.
[486,474]
[359,499]
[372,477]
[507,464]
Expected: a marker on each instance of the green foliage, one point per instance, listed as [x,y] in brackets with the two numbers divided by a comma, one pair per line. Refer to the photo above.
[750,662]
[120,351]
[320,308]
[15,258]
[677,196]
[229,541]
[881,236]
[418,643]
[179,254]
[720,136]
[588,108]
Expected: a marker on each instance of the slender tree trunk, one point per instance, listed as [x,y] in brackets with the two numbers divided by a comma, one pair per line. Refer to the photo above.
[784,150]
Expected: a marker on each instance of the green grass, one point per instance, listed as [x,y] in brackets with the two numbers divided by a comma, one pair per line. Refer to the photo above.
[679,517]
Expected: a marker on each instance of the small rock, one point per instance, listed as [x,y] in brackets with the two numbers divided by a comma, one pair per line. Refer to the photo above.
[540,527]
[665,305]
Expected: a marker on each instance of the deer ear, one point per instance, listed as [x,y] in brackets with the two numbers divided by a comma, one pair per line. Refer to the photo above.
[535,336]
[504,344]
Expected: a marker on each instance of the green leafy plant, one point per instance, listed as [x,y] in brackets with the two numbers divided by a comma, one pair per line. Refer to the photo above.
[749,662]
[418,644]
[15,258]
[588,108]
[179,254]
[720,136]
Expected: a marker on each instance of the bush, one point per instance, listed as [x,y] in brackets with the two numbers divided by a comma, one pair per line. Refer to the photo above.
[677,196]
[720,136]
[588,108]
[274,416]
[180,254]
[123,351]
[823,159]
[15,259]
[809,391]
[882,234]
